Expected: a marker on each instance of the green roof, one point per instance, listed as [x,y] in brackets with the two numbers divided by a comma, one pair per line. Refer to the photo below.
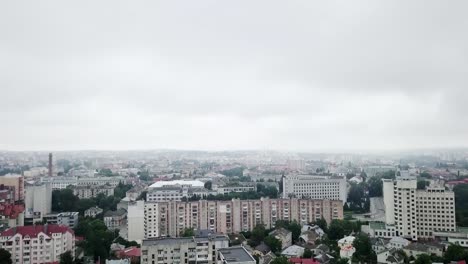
[377,225]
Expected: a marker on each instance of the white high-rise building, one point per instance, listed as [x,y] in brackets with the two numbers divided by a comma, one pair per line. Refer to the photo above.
[136,221]
[38,201]
[417,213]
[315,187]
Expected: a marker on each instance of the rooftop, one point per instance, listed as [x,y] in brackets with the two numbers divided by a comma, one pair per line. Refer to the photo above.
[193,183]
[33,231]
[235,254]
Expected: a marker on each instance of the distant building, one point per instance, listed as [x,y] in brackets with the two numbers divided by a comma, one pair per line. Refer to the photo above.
[59,183]
[115,219]
[315,187]
[16,182]
[38,244]
[183,250]
[296,164]
[235,255]
[86,192]
[93,212]
[69,219]
[176,190]
[38,201]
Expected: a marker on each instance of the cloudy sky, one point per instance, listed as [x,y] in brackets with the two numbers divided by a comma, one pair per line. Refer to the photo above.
[215,75]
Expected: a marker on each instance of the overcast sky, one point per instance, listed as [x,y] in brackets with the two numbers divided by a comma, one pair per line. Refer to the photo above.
[216,75]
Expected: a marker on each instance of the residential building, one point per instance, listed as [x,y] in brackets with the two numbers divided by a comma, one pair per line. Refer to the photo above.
[346,247]
[416,248]
[182,250]
[296,164]
[176,190]
[283,235]
[293,251]
[134,193]
[115,219]
[459,237]
[398,243]
[390,256]
[93,212]
[170,218]
[69,219]
[234,255]
[59,183]
[236,188]
[16,182]
[87,192]
[37,244]
[315,187]
[414,213]
[38,201]
[11,210]
[136,221]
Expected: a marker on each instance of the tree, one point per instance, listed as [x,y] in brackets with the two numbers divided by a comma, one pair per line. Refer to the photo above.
[258,234]
[425,174]
[307,253]
[295,229]
[461,204]
[455,253]
[5,256]
[342,261]
[375,186]
[66,258]
[336,230]
[280,260]
[322,223]
[421,185]
[364,252]
[274,243]
[188,232]
[423,259]
[208,185]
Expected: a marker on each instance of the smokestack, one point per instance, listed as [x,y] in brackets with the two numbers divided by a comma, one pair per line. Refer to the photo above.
[50,164]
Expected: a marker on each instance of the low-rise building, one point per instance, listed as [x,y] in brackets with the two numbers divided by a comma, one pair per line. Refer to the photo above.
[115,219]
[235,255]
[69,219]
[93,212]
[183,250]
[38,244]
[283,235]
[86,192]
[346,247]
[293,251]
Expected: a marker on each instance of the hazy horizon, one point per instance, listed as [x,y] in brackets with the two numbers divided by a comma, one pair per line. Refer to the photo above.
[208,75]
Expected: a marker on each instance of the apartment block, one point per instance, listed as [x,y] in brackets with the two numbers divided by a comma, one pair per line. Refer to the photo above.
[315,187]
[37,244]
[86,192]
[171,218]
[199,249]
[414,213]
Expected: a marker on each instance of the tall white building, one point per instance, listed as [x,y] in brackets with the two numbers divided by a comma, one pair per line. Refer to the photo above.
[37,244]
[315,187]
[414,213]
[38,201]
[136,221]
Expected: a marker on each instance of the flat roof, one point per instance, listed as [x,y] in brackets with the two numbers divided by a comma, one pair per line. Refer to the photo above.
[235,254]
[193,183]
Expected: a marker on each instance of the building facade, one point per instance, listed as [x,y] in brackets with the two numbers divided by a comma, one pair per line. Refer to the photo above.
[86,192]
[414,213]
[59,183]
[37,244]
[183,250]
[69,219]
[38,201]
[172,218]
[115,219]
[315,187]
[136,221]
[93,212]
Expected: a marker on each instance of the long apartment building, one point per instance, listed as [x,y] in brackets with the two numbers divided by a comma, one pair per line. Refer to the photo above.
[171,218]
[198,249]
[413,213]
[315,187]
[59,183]
[86,192]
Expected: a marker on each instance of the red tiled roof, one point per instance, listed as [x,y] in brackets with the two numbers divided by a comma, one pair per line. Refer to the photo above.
[32,231]
[130,252]
[302,261]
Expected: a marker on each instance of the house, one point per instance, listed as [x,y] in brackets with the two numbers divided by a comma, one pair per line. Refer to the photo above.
[283,235]
[262,249]
[390,256]
[293,251]
[115,219]
[379,244]
[132,253]
[266,259]
[415,249]
[310,234]
[323,258]
[93,212]
[321,249]
[398,243]
[346,247]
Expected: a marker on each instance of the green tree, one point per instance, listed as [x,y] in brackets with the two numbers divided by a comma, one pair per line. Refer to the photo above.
[364,252]
[461,204]
[336,230]
[455,253]
[307,253]
[342,261]
[280,260]
[322,223]
[295,229]
[375,186]
[66,258]
[274,243]
[258,234]
[5,256]
[421,185]
[188,232]
[425,174]
[423,259]
[208,185]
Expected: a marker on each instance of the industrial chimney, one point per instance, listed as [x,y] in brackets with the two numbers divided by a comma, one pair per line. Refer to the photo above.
[50,164]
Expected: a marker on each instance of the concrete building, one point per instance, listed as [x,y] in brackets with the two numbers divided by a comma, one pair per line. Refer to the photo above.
[315,187]
[115,219]
[235,255]
[183,250]
[296,164]
[37,244]
[176,190]
[171,218]
[86,192]
[59,183]
[69,219]
[236,189]
[136,221]
[414,213]
[38,202]
[16,182]
[93,212]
